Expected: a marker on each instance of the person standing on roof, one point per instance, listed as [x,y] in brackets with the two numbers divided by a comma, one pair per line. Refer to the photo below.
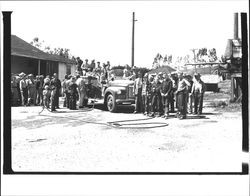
[92,66]
[85,65]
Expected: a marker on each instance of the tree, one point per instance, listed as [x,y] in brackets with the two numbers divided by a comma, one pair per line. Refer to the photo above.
[65,52]
[212,55]
[35,42]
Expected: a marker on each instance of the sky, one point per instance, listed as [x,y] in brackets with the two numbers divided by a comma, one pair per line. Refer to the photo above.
[102,30]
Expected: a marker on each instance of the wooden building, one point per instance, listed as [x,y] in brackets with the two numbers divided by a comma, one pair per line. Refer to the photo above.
[29,59]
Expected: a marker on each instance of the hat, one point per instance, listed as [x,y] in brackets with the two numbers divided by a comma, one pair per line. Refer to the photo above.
[22,75]
[30,75]
[197,74]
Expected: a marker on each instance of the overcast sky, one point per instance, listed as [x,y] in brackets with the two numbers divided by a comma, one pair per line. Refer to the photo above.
[102,30]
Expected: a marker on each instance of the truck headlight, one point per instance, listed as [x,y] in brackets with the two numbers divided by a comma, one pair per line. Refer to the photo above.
[119,92]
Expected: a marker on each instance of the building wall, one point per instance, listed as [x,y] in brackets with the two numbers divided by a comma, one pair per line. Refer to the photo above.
[64,69]
[61,70]
[73,69]
[23,64]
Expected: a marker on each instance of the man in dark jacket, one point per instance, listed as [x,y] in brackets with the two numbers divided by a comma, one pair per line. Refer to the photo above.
[165,90]
[72,93]
[55,85]
[156,97]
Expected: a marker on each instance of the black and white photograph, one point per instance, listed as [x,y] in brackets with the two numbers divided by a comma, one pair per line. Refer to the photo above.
[125,87]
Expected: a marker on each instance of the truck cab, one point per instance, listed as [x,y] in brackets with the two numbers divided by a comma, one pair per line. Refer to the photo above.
[112,93]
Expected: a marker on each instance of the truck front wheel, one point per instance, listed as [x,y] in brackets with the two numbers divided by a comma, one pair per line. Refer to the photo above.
[111,105]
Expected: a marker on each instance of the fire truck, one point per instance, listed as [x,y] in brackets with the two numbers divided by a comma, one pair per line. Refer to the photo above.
[111,93]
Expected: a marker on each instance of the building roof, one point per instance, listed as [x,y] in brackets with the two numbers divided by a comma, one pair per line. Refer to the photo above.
[22,48]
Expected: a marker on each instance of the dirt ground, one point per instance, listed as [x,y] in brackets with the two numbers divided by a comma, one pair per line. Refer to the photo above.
[84,141]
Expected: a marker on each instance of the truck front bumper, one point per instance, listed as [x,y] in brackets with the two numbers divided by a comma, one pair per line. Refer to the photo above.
[125,101]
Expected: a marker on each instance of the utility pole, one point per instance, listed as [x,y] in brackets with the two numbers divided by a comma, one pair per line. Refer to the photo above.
[133,40]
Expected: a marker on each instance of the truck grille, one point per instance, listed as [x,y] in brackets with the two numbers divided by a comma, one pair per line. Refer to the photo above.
[130,91]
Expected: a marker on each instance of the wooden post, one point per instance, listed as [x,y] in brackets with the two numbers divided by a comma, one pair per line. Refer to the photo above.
[7,159]
[133,40]
[39,67]
[232,88]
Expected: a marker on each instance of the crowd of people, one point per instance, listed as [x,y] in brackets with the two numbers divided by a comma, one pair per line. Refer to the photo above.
[27,90]
[155,94]
[158,95]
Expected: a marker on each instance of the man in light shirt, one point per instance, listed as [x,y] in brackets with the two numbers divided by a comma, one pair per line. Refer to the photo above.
[182,93]
[23,89]
[197,91]
[82,91]
[138,93]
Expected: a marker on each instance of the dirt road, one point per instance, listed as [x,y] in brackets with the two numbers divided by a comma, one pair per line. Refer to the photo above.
[83,141]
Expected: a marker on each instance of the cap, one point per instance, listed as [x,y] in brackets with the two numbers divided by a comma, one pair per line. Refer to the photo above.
[22,74]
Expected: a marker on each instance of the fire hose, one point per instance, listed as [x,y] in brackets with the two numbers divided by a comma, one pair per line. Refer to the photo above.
[121,124]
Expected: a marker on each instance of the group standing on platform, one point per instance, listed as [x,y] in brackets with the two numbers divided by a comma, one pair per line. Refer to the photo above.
[155,94]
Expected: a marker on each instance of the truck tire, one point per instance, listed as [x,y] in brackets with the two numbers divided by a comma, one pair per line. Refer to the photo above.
[111,105]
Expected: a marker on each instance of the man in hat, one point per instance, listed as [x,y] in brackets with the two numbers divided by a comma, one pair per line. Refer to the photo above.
[182,93]
[146,94]
[138,93]
[190,96]
[85,65]
[160,74]
[82,91]
[55,84]
[23,89]
[72,93]
[15,98]
[156,97]
[165,90]
[174,79]
[66,77]
[197,91]
[104,72]
[133,76]
[92,65]
[32,92]
[39,88]
[66,90]
[108,65]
